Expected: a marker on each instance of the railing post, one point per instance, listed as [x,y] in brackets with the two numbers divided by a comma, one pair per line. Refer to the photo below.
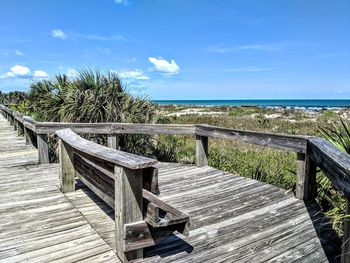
[15,124]
[113,141]
[66,167]
[201,150]
[345,253]
[128,207]
[43,148]
[27,136]
[11,120]
[20,129]
[306,187]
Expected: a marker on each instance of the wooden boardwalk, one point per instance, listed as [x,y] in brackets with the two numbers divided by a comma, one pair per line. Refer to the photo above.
[233,219]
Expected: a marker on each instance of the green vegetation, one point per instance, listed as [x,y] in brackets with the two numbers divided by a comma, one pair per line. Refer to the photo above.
[13,97]
[90,97]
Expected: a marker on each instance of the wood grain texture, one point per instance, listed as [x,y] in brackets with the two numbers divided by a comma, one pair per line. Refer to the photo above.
[306,186]
[66,167]
[128,208]
[120,158]
[43,148]
[170,215]
[113,141]
[278,141]
[234,220]
[116,128]
[201,150]
[333,162]
[38,223]
[137,235]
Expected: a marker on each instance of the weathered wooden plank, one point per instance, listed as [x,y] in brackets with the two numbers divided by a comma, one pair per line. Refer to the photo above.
[66,167]
[306,186]
[37,222]
[135,128]
[43,148]
[128,207]
[20,129]
[278,141]
[150,179]
[172,216]
[333,162]
[124,159]
[137,235]
[116,128]
[113,141]
[201,150]
[152,212]
[93,186]
[29,123]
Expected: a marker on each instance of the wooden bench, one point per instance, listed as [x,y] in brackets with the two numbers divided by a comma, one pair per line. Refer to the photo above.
[126,182]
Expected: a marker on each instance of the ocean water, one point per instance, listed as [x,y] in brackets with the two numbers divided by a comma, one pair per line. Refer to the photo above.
[301,103]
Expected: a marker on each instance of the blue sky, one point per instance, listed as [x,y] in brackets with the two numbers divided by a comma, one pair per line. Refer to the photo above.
[183,49]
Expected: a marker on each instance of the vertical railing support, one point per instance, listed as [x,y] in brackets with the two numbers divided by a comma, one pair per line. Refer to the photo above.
[20,129]
[43,148]
[11,120]
[15,124]
[128,207]
[27,136]
[113,141]
[306,187]
[345,253]
[66,167]
[201,151]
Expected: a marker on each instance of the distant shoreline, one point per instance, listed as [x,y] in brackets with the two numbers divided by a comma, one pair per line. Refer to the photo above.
[309,104]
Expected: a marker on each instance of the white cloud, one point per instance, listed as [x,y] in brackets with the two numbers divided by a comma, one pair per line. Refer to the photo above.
[20,71]
[72,73]
[7,75]
[17,71]
[58,33]
[19,53]
[123,2]
[163,66]
[40,74]
[136,74]
[250,69]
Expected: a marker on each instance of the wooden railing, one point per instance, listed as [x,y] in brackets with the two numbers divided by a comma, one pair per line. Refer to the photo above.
[126,182]
[311,152]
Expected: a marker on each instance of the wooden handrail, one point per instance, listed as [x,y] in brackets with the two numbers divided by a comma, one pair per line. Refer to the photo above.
[294,143]
[126,182]
[116,128]
[333,162]
[84,146]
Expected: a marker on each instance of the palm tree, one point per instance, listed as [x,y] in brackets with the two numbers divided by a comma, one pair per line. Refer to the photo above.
[90,97]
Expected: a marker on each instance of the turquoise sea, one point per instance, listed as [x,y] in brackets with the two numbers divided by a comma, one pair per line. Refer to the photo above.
[300,103]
